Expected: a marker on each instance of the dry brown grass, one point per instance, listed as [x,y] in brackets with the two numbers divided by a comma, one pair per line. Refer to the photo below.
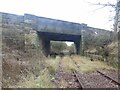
[24,67]
[67,64]
[52,64]
[82,64]
[113,48]
[19,76]
[17,65]
[85,65]
[42,81]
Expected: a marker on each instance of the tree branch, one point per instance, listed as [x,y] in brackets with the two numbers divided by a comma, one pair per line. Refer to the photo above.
[104,5]
[107,4]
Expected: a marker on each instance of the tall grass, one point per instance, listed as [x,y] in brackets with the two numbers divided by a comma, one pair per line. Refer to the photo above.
[86,65]
[82,64]
[67,64]
[52,64]
[31,81]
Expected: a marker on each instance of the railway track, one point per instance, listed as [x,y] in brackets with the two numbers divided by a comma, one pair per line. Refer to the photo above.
[110,78]
[78,80]
[83,84]
[90,80]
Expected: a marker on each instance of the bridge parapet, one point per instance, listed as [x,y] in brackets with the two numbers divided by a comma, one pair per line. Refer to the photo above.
[42,24]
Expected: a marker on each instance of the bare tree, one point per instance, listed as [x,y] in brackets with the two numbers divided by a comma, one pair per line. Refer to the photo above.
[112,10]
[108,4]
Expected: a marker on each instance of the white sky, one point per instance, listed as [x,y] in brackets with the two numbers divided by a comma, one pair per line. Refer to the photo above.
[69,10]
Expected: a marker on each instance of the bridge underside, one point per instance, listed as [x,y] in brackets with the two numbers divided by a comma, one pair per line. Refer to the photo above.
[46,37]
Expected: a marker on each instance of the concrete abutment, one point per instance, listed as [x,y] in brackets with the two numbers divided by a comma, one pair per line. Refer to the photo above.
[78,46]
[44,45]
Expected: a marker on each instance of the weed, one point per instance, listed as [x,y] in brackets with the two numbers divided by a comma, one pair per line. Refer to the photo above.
[85,65]
[52,65]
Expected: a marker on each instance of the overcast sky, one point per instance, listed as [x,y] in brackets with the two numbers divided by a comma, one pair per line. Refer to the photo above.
[79,11]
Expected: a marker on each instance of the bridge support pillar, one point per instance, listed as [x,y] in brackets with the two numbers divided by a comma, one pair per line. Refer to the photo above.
[44,45]
[78,46]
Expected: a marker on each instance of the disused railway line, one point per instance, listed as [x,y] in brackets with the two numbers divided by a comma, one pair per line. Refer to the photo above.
[108,77]
[82,85]
[81,82]
[72,78]
[78,80]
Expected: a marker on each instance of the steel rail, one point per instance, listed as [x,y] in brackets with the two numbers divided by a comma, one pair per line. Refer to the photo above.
[81,85]
[109,77]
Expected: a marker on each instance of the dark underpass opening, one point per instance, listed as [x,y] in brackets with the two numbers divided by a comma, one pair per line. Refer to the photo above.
[48,40]
[62,48]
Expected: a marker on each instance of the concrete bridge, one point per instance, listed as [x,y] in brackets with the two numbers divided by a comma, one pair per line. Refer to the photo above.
[55,30]
[47,29]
